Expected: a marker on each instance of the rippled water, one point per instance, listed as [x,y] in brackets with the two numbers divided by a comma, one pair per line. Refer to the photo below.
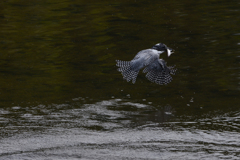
[116,129]
[61,96]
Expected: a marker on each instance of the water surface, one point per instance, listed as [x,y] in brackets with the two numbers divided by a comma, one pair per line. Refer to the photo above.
[61,96]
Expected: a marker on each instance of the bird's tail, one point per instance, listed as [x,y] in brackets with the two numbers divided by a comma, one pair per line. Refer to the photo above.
[127,70]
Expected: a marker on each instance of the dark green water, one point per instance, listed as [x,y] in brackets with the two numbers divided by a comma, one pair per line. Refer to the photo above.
[61,96]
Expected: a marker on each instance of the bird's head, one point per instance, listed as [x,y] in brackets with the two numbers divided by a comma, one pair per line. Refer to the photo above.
[163,48]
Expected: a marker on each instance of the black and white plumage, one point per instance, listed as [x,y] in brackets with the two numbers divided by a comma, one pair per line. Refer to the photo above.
[156,69]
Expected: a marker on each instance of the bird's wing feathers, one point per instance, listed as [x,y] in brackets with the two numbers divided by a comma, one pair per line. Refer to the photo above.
[125,67]
[158,72]
[156,69]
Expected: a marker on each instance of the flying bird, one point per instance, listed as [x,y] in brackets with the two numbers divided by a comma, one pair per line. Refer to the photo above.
[156,69]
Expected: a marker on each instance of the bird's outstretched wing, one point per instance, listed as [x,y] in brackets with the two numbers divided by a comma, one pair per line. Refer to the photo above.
[158,72]
[128,70]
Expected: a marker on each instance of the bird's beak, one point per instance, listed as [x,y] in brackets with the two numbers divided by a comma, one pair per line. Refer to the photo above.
[169,51]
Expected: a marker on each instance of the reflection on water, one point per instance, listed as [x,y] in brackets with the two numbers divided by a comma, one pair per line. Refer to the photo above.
[113,129]
[133,144]
[106,115]
[111,114]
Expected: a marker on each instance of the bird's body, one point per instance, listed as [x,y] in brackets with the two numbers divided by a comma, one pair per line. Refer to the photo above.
[156,69]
